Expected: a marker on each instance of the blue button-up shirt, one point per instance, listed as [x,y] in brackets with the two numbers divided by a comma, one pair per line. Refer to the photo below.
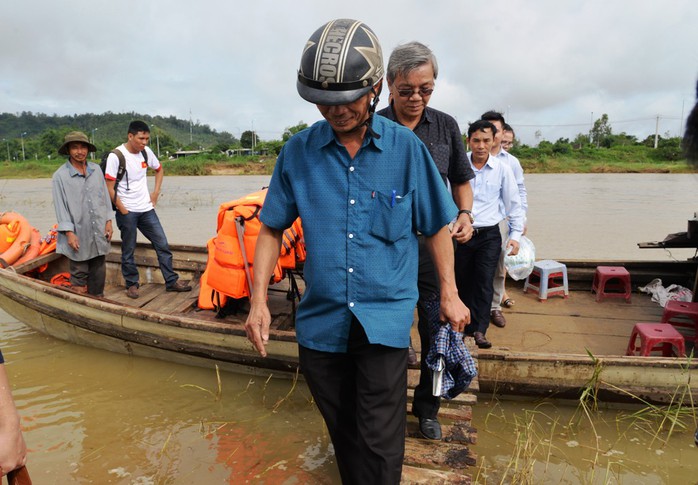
[360,221]
[496,197]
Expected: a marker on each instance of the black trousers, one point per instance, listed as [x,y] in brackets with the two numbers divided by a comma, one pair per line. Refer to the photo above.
[476,263]
[362,396]
[425,404]
[90,273]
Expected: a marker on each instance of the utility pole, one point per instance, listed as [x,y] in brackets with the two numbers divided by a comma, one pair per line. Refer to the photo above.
[157,138]
[656,134]
[683,101]
[22,138]
[93,142]
[191,132]
[8,148]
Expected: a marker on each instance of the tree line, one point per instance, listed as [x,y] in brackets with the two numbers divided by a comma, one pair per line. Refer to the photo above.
[28,136]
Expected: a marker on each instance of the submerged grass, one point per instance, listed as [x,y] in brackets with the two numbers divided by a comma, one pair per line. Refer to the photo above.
[539,438]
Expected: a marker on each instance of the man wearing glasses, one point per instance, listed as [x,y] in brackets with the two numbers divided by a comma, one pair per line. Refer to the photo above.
[508,137]
[500,297]
[411,75]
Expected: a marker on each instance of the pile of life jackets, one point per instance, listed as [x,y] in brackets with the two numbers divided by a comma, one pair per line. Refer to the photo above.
[230,267]
[20,242]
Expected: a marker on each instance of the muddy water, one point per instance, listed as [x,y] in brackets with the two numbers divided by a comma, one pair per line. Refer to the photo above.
[95,417]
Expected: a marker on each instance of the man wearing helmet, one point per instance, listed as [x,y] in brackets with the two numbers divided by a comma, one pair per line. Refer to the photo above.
[363,187]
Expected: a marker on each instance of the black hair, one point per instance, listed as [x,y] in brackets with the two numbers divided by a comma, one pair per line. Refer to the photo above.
[493,116]
[481,125]
[137,126]
[690,138]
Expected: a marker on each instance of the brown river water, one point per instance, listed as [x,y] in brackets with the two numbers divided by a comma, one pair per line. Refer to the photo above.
[91,416]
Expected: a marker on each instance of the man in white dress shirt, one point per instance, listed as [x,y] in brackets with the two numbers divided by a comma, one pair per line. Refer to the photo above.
[495,198]
[498,296]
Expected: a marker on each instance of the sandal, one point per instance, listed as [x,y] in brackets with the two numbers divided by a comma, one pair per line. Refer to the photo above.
[508,303]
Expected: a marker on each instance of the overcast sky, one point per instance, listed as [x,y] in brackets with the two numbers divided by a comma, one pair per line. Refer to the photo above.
[548,65]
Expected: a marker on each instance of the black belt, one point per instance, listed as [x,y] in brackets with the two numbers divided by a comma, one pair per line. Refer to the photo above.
[477,231]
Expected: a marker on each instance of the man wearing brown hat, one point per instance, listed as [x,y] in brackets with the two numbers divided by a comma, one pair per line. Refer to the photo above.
[83,212]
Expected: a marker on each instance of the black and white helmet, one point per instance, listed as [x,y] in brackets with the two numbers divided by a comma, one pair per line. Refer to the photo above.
[341,62]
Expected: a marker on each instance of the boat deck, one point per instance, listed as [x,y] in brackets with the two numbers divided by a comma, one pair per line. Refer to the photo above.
[573,325]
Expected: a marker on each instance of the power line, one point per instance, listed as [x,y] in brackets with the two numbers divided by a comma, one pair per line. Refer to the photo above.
[610,122]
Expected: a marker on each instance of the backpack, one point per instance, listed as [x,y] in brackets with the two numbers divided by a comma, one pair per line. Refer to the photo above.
[121,171]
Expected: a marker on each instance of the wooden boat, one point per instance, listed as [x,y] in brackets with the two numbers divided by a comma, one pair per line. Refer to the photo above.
[554,348]
[559,347]
[159,324]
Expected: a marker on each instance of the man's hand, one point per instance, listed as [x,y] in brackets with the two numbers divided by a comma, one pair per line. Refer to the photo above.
[257,326]
[73,241]
[514,245]
[154,196]
[454,311]
[462,229]
[108,232]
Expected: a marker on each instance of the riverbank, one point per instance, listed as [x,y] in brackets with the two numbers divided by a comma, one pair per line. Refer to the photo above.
[264,165]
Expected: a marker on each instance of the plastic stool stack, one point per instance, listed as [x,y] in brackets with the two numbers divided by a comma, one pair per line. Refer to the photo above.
[684,309]
[545,279]
[612,282]
[656,336]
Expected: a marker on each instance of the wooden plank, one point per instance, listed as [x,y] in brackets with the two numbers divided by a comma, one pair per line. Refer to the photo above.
[466,398]
[415,476]
[457,432]
[413,380]
[36,262]
[438,455]
[459,413]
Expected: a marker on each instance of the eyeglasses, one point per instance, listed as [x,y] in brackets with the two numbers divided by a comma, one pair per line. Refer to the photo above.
[407,93]
[507,144]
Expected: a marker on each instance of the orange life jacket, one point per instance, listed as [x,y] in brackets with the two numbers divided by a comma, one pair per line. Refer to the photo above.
[8,233]
[48,242]
[227,268]
[20,244]
[209,299]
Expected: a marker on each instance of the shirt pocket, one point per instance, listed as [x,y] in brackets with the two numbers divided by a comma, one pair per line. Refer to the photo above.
[391,219]
[492,190]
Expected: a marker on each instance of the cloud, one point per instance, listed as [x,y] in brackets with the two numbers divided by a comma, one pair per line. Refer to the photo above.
[546,64]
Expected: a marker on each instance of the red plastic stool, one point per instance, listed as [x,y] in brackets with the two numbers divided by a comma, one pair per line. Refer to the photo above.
[656,336]
[613,278]
[687,310]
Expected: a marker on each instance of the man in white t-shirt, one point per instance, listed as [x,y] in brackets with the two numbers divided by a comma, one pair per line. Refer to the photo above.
[135,207]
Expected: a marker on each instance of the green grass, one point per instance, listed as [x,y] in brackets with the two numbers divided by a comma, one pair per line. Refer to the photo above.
[627,159]
[195,165]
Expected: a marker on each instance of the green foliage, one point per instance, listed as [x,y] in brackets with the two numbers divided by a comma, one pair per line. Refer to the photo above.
[44,133]
[601,132]
[249,139]
[292,130]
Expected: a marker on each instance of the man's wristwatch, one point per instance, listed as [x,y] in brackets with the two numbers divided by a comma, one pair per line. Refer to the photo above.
[470,214]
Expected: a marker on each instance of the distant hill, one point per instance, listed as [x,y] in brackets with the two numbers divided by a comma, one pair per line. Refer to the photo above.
[44,133]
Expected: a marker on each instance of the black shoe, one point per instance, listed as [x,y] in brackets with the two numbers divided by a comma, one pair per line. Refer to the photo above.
[481,341]
[430,428]
[497,318]
[179,286]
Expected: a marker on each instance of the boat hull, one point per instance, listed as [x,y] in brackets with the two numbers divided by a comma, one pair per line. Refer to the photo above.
[111,326]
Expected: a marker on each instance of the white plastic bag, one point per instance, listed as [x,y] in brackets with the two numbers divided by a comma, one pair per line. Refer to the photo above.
[521,265]
[662,295]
